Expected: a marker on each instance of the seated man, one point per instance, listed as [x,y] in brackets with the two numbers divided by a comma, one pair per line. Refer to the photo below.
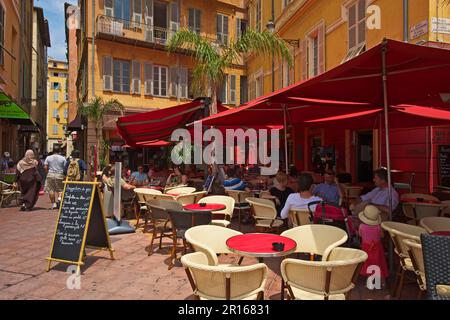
[378,197]
[233,182]
[139,178]
[330,190]
[301,199]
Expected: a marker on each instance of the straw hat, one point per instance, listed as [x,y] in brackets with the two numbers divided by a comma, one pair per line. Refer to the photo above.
[370,216]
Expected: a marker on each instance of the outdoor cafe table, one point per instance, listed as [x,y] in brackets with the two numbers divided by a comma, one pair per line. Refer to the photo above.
[213,207]
[260,245]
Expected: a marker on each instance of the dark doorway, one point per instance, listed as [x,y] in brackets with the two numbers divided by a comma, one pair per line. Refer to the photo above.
[160,11]
[364,156]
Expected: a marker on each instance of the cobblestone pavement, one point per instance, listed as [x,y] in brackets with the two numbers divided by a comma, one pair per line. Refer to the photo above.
[25,239]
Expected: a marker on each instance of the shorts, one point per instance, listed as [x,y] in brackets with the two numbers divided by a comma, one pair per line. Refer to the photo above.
[54,183]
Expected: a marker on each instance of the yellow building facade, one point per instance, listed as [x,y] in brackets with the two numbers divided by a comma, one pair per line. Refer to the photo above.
[57,110]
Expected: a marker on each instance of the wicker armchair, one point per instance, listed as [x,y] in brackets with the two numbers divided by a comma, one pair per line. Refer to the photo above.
[182,221]
[227,212]
[182,190]
[416,256]
[436,257]
[186,199]
[224,283]
[265,214]
[211,240]
[300,217]
[323,280]
[316,239]
[419,210]
[143,195]
[399,232]
[161,226]
[241,205]
[435,224]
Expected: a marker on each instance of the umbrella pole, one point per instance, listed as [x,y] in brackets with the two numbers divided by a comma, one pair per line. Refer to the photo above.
[285,139]
[388,147]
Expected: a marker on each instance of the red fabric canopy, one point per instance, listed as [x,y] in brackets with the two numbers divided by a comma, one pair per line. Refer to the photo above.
[148,127]
[353,91]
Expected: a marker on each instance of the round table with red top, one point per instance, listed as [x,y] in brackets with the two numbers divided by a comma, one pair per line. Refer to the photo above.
[441,233]
[208,207]
[260,245]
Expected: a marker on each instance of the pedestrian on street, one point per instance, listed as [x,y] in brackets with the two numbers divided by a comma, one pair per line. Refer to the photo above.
[29,181]
[75,168]
[54,184]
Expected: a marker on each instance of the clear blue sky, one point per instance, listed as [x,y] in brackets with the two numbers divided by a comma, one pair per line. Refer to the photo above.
[54,13]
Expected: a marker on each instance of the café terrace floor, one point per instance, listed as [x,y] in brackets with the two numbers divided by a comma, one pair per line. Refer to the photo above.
[25,240]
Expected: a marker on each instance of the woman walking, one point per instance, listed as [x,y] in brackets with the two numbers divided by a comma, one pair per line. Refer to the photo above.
[29,181]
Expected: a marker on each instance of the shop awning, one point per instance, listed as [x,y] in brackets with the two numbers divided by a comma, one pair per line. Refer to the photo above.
[9,109]
[159,124]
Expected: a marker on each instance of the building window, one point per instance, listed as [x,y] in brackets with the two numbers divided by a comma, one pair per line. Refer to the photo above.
[313,56]
[2,34]
[55,113]
[356,29]
[55,74]
[121,76]
[122,10]
[286,74]
[241,27]
[194,20]
[66,113]
[232,89]
[160,81]
[258,15]
[222,92]
[55,65]
[55,129]
[179,82]
[259,85]
[222,29]
[56,86]
[244,89]
[55,96]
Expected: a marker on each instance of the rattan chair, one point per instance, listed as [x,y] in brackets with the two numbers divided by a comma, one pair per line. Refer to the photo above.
[222,282]
[211,240]
[142,196]
[436,257]
[416,256]
[399,232]
[323,280]
[300,217]
[435,224]
[199,195]
[181,221]
[227,212]
[351,193]
[241,205]
[181,190]
[161,226]
[166,197]
[8,193]
[316,239]
[416,211]
[265,214]
[186,199]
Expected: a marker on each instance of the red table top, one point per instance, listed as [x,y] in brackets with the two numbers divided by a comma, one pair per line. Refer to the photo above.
[260,244]
[208,207]
[441,233]
[423,201]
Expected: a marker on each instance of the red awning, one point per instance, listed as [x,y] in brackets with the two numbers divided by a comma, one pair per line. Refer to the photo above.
[159,124]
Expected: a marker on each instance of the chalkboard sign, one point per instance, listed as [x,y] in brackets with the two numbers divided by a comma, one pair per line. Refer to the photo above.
[444,165]
[81,223]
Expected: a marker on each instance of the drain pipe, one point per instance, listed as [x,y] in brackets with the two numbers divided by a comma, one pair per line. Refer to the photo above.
[405,20]
[93,48]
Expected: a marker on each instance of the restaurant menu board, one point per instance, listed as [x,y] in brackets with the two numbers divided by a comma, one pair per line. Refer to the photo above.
[81,223]
[444,165]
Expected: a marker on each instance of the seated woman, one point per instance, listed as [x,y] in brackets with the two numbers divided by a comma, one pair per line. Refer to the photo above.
[281,191]
[174,178]
[301,199]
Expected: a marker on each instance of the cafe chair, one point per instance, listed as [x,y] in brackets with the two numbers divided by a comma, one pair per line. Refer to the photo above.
[7,194]
[316,239]
[142,196]
[166,197]
[181,221]
[416,256]
[435,224]
[265,214]
[223,282]
[186,199]
[211,240]
[406,185]
[351,193]
[181,191]
[415,211]
[323,280]
[436,257]
[300,217]
[228,202]
[199,195]
[241,205]
[161,226]
[399,232]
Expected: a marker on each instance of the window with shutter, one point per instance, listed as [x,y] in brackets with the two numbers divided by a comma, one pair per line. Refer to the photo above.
[121,76]
[233,89]
[107,74]
[174,18]
[148,70]
[356,24]
[174,82]
[241,27]
[109,11]
[184,83]
[136,83]
[160,81]
[194,17]
[304,59]
[149,20]
[258,15]
[222,29]
[222,91]
[137,13]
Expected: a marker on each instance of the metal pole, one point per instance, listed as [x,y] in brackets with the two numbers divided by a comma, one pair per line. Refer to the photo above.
[285,139]
[93,50]
[388,147]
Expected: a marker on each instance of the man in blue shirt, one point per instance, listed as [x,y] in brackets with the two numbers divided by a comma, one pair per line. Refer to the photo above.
[233,182]
[330,190]
[139,178]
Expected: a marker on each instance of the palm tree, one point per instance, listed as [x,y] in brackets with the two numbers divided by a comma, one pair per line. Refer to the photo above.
[95,110]
[213,58]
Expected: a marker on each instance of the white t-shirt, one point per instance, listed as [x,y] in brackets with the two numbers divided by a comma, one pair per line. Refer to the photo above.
[294,201]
